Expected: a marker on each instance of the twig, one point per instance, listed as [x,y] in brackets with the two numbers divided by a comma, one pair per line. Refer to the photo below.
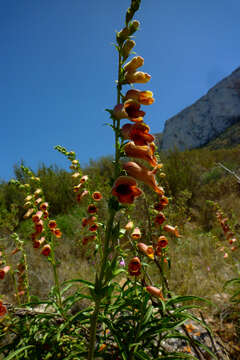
[230,171]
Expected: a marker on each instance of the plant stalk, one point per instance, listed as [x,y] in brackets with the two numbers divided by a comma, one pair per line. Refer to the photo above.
[112,213]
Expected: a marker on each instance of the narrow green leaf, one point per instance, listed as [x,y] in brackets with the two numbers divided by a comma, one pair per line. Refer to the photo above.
[17,352]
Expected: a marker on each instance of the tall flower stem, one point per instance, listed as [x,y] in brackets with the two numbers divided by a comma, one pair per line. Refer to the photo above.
[56,280]
[99,282]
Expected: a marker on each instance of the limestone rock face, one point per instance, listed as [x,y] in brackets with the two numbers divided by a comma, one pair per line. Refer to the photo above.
[206,118]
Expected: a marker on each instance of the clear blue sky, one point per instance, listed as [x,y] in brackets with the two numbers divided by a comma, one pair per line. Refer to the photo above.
[58,67]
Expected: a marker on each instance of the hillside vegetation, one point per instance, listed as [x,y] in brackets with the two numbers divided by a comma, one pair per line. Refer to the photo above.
[192,178]
[196,186]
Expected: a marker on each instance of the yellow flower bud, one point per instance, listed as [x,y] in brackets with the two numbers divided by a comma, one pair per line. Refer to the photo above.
[127,47]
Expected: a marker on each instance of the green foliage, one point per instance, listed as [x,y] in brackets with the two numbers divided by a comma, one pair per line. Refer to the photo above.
[56,184]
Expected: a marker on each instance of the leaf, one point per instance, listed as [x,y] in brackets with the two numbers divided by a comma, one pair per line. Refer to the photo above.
[89,284]
[179,299]
[11,356]
[141,355]
[147,315]
[231,282]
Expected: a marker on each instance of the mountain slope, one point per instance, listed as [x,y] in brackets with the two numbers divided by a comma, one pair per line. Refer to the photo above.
[207,118]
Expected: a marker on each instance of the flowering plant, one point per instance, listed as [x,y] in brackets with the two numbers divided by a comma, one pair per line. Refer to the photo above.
[129,314]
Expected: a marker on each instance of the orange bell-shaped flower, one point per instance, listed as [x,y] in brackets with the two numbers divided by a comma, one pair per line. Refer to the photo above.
[137,77]
[138,133]
[141,173]
[125,188]
[133,111]
[134,267]
[143,97]
[146,249]
[141,152]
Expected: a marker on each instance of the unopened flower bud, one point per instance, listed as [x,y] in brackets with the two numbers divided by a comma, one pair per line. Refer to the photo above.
[122,35]
[155,291]
[134,64]
[127,47]
[133,27]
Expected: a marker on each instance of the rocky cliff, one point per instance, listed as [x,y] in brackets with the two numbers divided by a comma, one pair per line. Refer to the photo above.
[206,118]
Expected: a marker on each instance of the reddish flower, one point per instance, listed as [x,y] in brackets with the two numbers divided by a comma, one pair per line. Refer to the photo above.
[52,224]
[38,201]
[162,241]
[57,233]
[164,200]
[39,227]
[84,222]
[36,218]
[45,214]
[232,240]
[82,195]
[141,173]
[136,234]
[92,209]
[129,226]
[158,206]
[3,309]
[88,221]
[134,267]
[119,112]
[37,243]
[44,206]
[46,250]
[159,219]
[102,347]
[86,239]
[155,291]
[158,251]
[125,188]
[93,227]
[147,250]
[97,196]
[4,271]
[172,230]
[141,152]
[34,236]
[133,111]
[138,133]
[77,187]
[83,179]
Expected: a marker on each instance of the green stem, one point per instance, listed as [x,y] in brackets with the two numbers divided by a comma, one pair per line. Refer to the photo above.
[93,330]
[100,280]
[26,274]
[56,280]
